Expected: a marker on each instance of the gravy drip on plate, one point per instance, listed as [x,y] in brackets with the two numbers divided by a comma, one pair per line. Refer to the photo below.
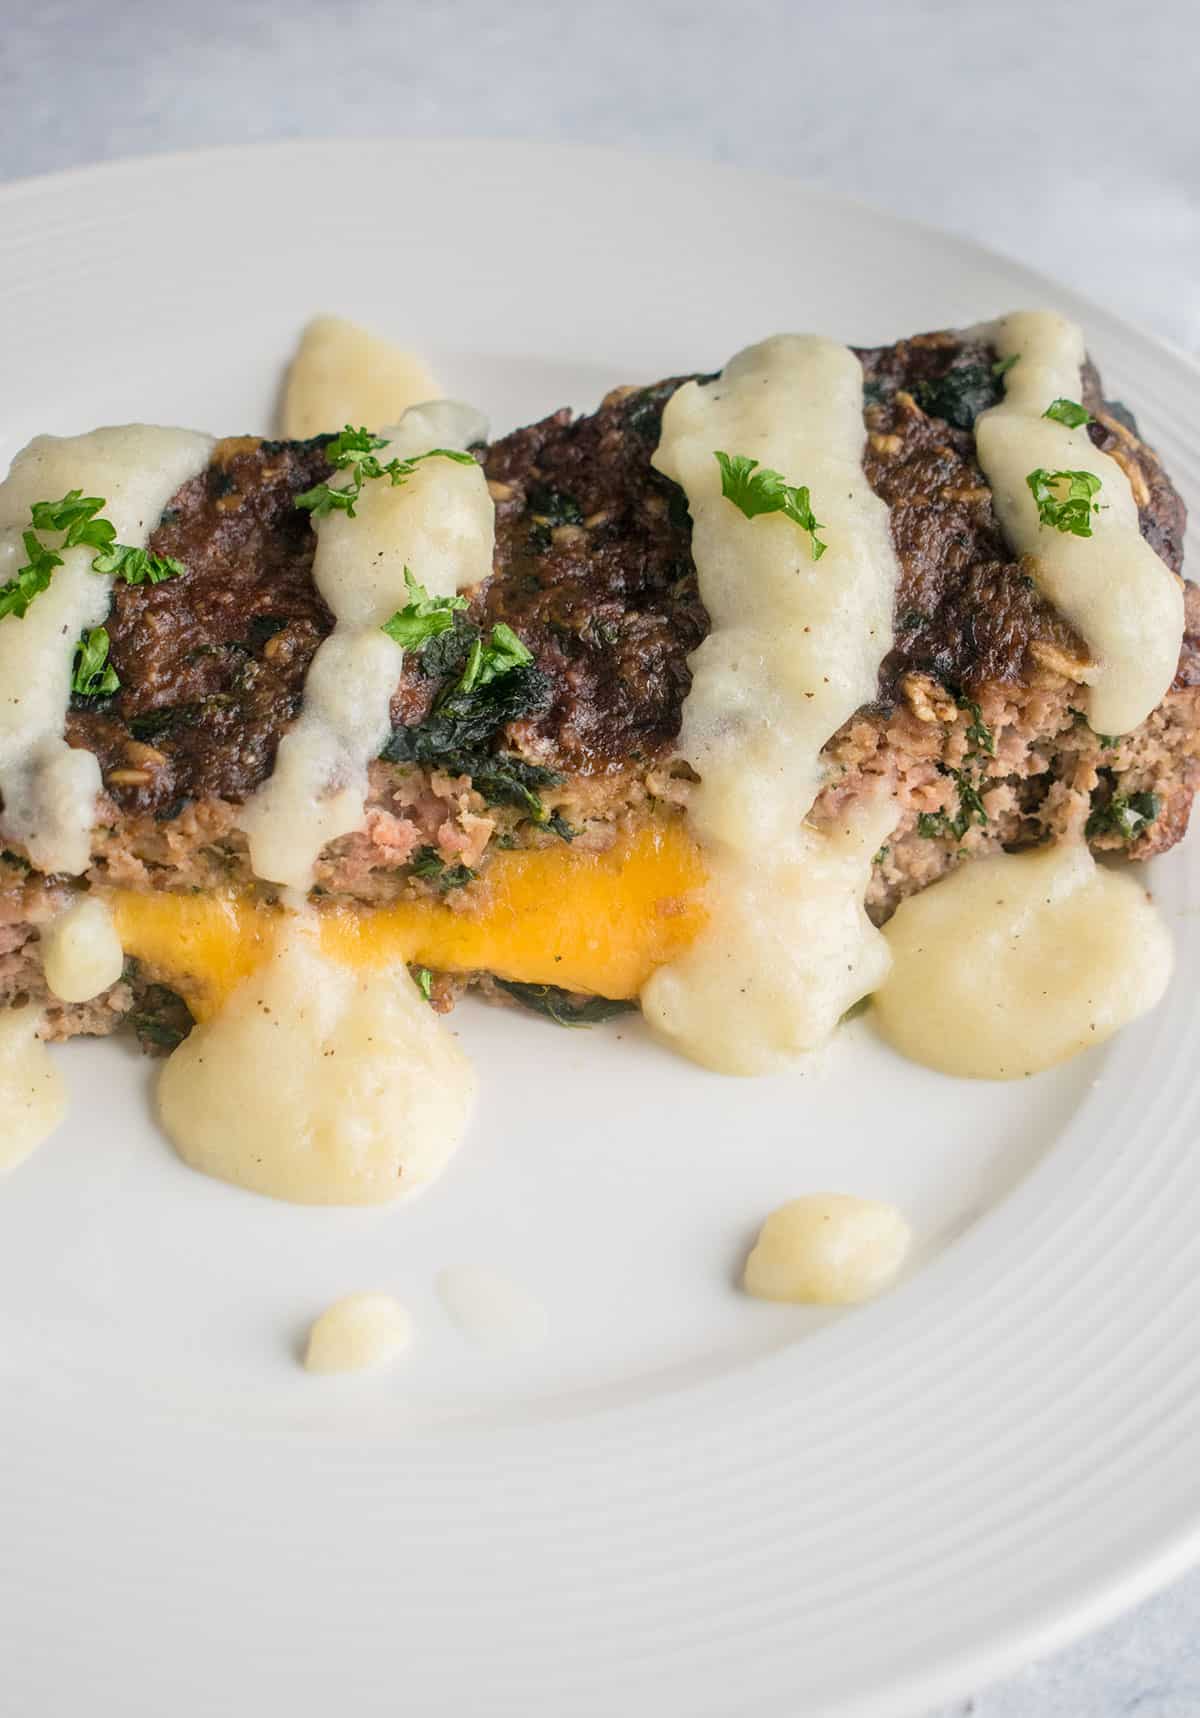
[794,650]
[319,1084]
[49,788]
[439,523]
[1112,587]
[1016,962]
[33,1098]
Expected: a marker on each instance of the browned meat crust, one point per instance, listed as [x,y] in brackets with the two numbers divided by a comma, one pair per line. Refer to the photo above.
[976,726]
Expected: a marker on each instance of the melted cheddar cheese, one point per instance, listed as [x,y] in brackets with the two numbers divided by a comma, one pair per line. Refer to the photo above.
[598,922]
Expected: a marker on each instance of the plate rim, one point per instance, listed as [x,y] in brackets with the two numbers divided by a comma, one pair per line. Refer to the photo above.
[1102,1597]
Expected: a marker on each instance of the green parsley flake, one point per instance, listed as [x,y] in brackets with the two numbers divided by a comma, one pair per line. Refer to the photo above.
[1067,412]
[486,662]
[1064,499]
[423,979]
[1126,815]
[76,517]
[32,578]
[93,675]
[1003,365]
[756,489]
[982,740]
[971,809]
[137,566]
[422,616]
[354,451]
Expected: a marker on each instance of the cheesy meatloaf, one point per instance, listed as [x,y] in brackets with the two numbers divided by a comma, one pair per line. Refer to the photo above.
[525,833]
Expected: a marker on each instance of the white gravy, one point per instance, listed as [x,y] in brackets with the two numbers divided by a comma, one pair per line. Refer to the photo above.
[827,1249]
[360,1333]
[1016,962]
[33,1098]
[319,1084]
[440,524]
[49,788]
[794,650]
[344,374]
[1116,592]
[81,951]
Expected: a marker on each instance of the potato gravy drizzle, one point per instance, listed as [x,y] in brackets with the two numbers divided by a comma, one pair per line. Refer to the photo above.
[440,524]
[33,1098]
[81,951]
[49,788]
[1119,596]
[319,1084]
[794,650]
[1014,963]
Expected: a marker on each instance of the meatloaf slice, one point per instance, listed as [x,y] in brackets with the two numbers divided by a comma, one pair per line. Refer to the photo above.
[977,726]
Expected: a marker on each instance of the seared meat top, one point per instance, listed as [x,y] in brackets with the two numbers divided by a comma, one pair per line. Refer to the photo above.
[593,570]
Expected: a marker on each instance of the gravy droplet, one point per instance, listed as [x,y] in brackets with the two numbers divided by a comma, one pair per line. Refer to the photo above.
[81,951]
[360,1333]
[828,1249]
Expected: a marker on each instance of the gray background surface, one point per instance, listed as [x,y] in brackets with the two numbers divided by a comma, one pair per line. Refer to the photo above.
[1066,135]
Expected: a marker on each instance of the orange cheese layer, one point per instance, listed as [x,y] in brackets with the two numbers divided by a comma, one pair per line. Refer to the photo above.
[598,922]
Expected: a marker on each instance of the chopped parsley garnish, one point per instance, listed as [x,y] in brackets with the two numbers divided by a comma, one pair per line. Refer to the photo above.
[426,863]
[422,616]
[982,740]
[756,489]
[487,684]
[423,979]
[93,675]
[557,1005]
[429,864]
[354,451]
[487,662]
[1064,499]
[1003,365]
[1126,815]
[960,395]
[456,877]
[137,566]
[76,517]
[32,578]
[971,809]
[1067,412]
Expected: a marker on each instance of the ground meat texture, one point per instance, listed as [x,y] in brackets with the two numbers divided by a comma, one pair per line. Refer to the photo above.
[593,570]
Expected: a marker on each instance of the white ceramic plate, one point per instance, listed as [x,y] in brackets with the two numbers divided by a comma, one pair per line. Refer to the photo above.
[684,1502]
